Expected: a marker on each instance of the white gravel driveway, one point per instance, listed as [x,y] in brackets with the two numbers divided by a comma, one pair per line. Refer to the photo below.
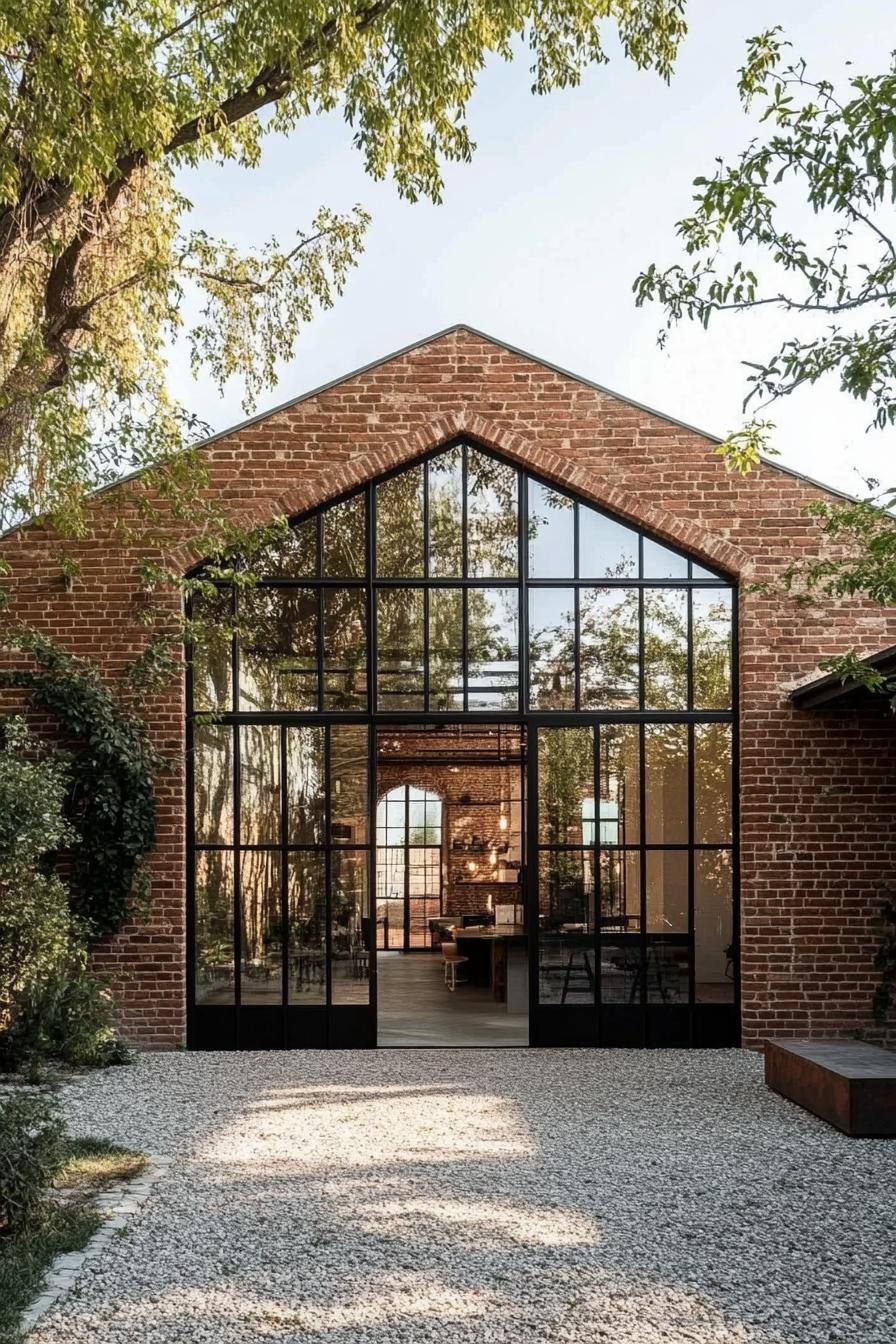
[483,1195]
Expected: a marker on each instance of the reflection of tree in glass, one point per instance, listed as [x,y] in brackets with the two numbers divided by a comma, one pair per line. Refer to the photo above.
[213,784]
[446,514]
[446,648]
[214,922]
[212,620]
[492,517]
[552,649]
[493,643]
[260,924]
[565,780]
[711,623]
[608,618]
[712,783]
[399,525]
[345,539]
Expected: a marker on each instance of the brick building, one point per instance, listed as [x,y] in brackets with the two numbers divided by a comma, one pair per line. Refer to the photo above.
[510,669]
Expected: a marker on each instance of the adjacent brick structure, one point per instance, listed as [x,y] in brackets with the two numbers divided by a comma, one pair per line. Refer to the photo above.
[817,796]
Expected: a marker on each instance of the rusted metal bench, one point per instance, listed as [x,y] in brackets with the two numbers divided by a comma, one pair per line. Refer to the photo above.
[850,1084]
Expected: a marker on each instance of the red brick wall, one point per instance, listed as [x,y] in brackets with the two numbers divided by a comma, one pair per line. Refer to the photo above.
[818,798]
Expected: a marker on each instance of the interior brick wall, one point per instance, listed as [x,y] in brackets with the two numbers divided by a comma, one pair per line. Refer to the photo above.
[454,786]
[817,796]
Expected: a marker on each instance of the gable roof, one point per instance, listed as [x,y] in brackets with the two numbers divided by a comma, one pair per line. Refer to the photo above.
[430,340]
[513,350]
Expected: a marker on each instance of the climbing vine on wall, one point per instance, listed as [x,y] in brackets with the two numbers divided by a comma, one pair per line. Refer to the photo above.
[111,801]
[885,962]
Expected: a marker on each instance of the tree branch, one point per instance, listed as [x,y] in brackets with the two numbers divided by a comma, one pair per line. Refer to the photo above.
[270,84]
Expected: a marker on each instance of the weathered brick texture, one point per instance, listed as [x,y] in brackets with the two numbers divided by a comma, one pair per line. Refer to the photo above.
[817,796]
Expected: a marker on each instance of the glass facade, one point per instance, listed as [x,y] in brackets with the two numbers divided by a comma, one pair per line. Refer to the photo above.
[463,587]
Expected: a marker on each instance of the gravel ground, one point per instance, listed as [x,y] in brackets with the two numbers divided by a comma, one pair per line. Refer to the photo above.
[483,1195]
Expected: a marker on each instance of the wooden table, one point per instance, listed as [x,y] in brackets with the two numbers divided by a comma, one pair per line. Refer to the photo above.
[506,983]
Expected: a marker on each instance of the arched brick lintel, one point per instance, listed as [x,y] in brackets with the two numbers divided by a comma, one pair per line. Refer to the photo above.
[317,489]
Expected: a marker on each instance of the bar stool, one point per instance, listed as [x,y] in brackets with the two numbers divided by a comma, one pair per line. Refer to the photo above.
[451,961]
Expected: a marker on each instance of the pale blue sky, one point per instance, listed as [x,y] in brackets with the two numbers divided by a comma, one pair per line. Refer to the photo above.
[538,240]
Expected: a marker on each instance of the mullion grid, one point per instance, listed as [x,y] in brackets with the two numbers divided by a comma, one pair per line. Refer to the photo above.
[370,583]
[282,848]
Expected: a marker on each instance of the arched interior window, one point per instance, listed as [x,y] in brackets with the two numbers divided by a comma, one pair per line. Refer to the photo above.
[408,867]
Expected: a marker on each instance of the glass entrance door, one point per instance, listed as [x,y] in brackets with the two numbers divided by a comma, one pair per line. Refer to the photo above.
[631,887]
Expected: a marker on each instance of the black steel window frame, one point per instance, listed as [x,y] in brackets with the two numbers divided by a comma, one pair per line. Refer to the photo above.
[405,847]
[375,717]
[372,584]
[699,1023]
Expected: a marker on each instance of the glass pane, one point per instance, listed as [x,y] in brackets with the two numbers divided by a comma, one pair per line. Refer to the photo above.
[213,784]
[214,927]
[711,633]
[607,549]
[424,893]
[348,784]
[261,965]
[713,927]
[492,518]
[620,968]
[668,963]
[620,923]
[390,879]
[259,784]
[446,486]
[307,928]
[665,648]
[609,647]
[551,533]
[661,563]
[345,648]
[350,933]
[699,572]
[552,648]
[620,778]
[620,891]
[446,671]
[667,891]
[305,785]
[400,648]
[345,539]
[278,649]
[292,556]
[399,525]
[566,786]
[493,644]
[712,784]
[566,960]
[666,783]
[212,681]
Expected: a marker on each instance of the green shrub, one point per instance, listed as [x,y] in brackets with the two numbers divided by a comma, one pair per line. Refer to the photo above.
[32,1151]
[36,928]
[68,1017]
[111,799]
[50,1004]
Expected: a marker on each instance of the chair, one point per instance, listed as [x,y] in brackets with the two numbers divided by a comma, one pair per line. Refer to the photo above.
[451,961]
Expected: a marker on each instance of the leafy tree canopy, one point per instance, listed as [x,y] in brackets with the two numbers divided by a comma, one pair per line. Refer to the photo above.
[101,103]
[835,149]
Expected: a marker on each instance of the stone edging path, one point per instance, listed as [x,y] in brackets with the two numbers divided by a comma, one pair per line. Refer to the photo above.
[117,1204]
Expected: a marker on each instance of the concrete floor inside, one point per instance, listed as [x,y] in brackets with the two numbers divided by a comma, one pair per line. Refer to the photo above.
[415,1007]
